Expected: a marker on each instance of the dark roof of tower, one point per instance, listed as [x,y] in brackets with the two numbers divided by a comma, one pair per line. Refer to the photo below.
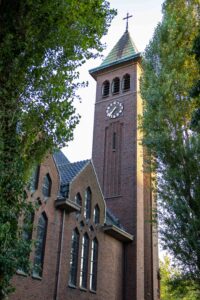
[124,50]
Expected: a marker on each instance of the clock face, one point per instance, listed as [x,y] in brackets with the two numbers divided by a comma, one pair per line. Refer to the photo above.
[114,109]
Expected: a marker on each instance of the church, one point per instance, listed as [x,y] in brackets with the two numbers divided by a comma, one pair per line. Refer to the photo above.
[93,228]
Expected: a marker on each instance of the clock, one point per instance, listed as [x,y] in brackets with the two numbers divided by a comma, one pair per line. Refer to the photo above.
[114,109]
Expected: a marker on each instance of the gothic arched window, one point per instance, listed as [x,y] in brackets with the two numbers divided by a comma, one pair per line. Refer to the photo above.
[84,261]
[33,182]
[88,200]
[78,199]
[93,265]
[46,186]
[126,82]
[40,245]
[106,88]
[96,214]
[74,257]
[115,85]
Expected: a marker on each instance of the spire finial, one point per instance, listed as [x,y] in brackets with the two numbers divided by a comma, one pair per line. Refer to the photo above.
[126,18]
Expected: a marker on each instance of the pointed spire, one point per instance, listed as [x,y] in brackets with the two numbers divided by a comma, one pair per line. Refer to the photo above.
[124,48]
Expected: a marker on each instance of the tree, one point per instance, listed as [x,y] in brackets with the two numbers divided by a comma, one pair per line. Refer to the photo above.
[42,43]
[170,72]
[172,285]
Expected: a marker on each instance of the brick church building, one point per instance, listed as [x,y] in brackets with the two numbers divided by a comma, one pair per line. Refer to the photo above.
[95,239]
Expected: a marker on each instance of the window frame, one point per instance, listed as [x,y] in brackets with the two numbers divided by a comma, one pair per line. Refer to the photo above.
[105,90]
[96,216]
[46,186]
[94,265]
[88,203]
[116,85]
[84,261]
[40,246]
[126,82]
[74,255]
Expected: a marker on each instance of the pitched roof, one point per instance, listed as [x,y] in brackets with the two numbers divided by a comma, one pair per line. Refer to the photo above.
[60,158]
[124,50]
[70,170]
[67,171]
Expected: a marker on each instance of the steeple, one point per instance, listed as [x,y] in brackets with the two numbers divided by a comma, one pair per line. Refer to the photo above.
[124,50]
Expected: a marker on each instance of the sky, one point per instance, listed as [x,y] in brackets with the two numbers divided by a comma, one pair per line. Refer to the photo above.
[146,15]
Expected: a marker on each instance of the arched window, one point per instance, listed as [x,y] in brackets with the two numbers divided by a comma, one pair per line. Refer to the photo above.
[106,88]
[78,199]
[126,82]
[27,228]
[74,257]
[115,85]
[46,186]
[88,200]
[96,214]
[33,182]
[93,265]
[84,261]
[40,245]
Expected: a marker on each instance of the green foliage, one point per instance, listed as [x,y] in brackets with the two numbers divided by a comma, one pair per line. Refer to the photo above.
[42,43]
[170,71]
[173,286]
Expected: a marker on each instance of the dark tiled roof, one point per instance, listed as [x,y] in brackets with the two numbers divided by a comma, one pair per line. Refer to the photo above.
[60,158]
[70,170]
[67,171]
[112,220]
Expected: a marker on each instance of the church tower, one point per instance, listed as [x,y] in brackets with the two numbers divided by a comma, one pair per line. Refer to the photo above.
[118,157]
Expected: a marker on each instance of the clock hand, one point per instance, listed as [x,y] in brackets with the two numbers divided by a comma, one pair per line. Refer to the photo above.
[112,111]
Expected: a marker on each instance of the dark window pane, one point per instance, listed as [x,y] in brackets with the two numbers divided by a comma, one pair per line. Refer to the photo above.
[74,257]
[126,82]
[40,245]
[46,186]
[106,88]
[115,85]
[93,265]
[33,182]
[96,214]
[88,199]
[84,261]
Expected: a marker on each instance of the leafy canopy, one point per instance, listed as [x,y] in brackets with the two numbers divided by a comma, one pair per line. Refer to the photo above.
[42,43]
[170,71]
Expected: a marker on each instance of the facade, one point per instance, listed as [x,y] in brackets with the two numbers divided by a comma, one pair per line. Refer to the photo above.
[93,223]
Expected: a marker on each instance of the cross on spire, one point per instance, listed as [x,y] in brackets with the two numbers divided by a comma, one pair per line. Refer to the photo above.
[126,18]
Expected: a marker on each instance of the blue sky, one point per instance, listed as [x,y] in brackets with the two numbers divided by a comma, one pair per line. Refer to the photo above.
[146,15]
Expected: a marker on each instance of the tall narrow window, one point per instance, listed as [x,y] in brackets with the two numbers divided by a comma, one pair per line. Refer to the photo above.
[84,261]
[74,257]
[40,245]
[33,182]
[106,88]
[96,214]
[126,82]
[88,199]
[115,85]
[46,186]
[28,226]
[93,265]
[78,199]
[27,230]
[114,141]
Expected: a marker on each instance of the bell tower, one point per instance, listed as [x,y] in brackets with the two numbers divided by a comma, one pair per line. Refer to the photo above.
[118,157]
